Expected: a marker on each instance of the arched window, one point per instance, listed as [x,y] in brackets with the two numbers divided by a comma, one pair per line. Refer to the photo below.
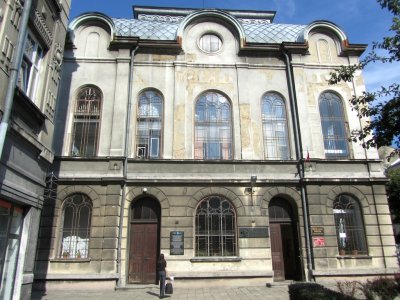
[333,126]
[75,232]
[86,127]
[276,143]
[215,227]
[149,125]
[349,225]
[213,127]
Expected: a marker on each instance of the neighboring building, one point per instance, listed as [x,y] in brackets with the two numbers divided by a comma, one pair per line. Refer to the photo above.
[27,155]
[211,136]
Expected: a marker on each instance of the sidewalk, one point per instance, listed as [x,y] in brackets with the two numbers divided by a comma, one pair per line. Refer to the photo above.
[275,292]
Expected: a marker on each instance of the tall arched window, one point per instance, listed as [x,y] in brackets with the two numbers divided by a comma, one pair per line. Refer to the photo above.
[349,225]
[276,143]
[215,227]
[149,125]
[333,126]
[213,127]
[86,127]
[75,232]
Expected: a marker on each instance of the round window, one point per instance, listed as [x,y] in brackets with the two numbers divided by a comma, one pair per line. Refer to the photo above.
[210,43]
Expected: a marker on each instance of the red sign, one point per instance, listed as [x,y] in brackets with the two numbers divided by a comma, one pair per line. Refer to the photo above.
[319,241]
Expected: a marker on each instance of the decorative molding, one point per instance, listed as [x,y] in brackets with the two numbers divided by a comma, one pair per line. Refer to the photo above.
[42,28]
[161,18]
[254,21]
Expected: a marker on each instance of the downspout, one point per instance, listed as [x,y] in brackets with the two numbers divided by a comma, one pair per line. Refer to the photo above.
[125,165]
[16,65]
[299,158]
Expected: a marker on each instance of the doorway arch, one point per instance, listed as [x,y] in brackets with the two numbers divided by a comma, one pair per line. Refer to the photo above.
[284,237]
[144,240]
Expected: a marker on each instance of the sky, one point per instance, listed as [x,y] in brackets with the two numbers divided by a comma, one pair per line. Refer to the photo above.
[363,21]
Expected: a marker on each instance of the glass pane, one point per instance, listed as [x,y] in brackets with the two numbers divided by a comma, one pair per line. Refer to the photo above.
[16,221]
[10,264]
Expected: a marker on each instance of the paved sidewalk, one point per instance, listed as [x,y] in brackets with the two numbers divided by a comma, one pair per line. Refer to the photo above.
[276,292]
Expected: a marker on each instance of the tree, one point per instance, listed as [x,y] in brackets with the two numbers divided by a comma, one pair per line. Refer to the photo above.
[393,190]
[381,108]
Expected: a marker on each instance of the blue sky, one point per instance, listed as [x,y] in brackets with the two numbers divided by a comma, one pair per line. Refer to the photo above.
[362,20]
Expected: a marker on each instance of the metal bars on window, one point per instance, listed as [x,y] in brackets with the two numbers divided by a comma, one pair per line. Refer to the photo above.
[215,228]
[86,127]
[213,127]
[276,143]
[75,232]
[333,126]
[149,125]
[349,226]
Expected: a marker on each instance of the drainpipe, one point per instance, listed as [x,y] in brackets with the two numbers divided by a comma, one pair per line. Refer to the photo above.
[16,65]
[299,157]
[125,164]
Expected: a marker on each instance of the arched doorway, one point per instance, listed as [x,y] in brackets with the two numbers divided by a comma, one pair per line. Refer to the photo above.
[144,240]
[284,237]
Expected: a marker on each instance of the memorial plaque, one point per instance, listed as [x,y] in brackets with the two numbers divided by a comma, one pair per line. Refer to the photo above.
[176,243]
[317,230]
[253,232]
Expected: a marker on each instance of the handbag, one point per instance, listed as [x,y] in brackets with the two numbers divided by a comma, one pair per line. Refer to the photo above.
[169,289]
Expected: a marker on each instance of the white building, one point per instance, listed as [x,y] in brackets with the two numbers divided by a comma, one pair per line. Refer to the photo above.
[213,137]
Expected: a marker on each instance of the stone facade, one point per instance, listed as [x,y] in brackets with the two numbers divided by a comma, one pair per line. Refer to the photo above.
[27,154]
[122,59]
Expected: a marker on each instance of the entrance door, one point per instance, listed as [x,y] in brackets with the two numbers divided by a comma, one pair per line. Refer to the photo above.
[285,248]
[144,242]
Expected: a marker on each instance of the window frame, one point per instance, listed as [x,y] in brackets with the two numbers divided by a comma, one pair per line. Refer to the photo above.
[275,121]
[349,226]
[63,251]
[86,113]
[226,235]
[334,126]
[208,40]
[149,127]
[29,73]
[213,127]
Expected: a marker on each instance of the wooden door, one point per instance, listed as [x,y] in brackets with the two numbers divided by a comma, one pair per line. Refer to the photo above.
[143,253]
[278,264]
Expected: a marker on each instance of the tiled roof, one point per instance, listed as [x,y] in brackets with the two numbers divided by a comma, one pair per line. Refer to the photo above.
[255,33]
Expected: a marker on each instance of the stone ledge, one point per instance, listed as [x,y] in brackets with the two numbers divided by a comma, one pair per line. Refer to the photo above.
[353,271]
[216,259]
[76,276]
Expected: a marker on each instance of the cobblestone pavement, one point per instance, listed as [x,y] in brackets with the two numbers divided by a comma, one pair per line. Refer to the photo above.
[276,292]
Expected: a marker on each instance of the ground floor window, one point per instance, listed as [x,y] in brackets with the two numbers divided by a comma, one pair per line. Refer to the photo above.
[215,227]
[10,236]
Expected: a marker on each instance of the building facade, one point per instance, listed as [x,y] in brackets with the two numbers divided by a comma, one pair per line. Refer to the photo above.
[34,31]
[215,138]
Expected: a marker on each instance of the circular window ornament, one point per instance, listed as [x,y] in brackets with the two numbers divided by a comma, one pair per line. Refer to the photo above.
[210,43]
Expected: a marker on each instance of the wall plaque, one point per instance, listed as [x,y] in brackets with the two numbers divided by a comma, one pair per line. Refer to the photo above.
[253,232]
[176,243]
[319,242]
[317,230]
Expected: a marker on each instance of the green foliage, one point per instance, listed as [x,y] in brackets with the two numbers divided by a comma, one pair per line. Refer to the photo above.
[312,291]
[383,127]
[393,190]
[382,288]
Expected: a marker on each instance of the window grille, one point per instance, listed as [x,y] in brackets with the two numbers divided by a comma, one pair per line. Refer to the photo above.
[333,126]
[86,125]
[349,225]
[276,143]
[149,125]
[213,127]
[75,232]
[215,228]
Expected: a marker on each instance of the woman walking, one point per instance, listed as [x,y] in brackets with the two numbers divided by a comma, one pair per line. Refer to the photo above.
[161,265]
